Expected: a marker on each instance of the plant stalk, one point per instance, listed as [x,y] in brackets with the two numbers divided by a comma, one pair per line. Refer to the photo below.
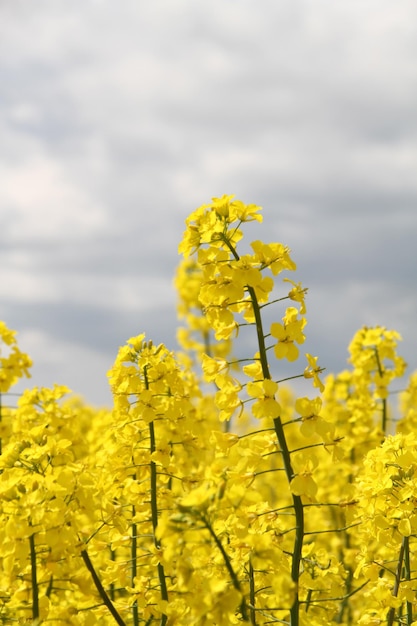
[102,592]
[34,578]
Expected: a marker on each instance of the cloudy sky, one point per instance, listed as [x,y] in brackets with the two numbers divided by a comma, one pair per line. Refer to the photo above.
[117,119]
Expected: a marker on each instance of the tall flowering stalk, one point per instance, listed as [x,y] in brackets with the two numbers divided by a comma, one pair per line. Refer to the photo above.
[233,291]
[210,495]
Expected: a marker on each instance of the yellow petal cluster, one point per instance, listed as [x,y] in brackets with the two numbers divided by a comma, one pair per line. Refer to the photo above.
[210,494]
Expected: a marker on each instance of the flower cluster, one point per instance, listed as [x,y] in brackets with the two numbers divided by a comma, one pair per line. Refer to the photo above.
[210,495]
[13,365]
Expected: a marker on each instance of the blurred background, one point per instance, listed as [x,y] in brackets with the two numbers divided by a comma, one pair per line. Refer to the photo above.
[117,119]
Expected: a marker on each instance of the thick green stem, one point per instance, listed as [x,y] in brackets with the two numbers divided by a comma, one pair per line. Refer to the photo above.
[286,457]
[384,415]
[34,578]
[134,566]
[403,561]
[102,592]
[299,520]
[279,430]
[258,318]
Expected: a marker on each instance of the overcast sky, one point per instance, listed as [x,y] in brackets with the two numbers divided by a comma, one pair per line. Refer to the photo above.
[117,119]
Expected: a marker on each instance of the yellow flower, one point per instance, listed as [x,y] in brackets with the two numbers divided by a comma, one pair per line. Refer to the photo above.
[297,293]
[213,366]
[276,256]
[287,333]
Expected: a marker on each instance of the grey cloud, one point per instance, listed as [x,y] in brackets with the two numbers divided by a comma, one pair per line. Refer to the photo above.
[101,330]
[126,118]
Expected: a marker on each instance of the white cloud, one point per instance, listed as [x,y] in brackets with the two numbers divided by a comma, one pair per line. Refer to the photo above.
[43,203]
[112,293]
[76,366]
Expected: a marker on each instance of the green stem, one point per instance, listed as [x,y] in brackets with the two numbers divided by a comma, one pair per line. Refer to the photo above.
[154,516]
[384,415]
[229,566]
[154,507]
[112,587]
[384,401]
[258,318]
[391,614]
[299,520]
[50,586]
[260,333]
[407,576]
[279,430]
[34,578]
[133,572]
[102,592]
[344,606]
[252,596]
[286,457]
